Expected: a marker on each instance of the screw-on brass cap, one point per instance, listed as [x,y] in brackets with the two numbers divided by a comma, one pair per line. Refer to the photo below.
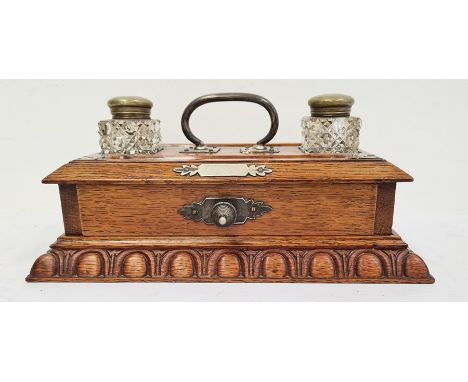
[331,105]
[129,107]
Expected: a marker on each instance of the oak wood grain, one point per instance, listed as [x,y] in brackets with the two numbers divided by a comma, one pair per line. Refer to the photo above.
[393,241]
[163,173]
[70,209]
[315,209]
[159,169]
[384,208]
[331,221]
[267,264]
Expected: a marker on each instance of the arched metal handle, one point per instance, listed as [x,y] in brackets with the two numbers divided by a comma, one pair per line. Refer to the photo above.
[222,97]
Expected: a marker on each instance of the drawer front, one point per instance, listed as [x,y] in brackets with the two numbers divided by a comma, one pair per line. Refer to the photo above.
[296,209]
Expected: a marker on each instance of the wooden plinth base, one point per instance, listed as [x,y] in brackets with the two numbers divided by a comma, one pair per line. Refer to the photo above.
[372,259]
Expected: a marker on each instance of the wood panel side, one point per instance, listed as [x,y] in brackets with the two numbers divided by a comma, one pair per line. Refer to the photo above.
[70,209]
[384,208]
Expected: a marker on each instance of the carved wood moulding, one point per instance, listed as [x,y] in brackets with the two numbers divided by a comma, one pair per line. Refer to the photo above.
[231,265]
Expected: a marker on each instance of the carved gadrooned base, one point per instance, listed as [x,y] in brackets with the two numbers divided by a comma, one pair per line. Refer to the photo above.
[354,265]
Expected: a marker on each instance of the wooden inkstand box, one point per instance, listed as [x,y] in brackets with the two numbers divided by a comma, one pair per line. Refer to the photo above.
[144,211]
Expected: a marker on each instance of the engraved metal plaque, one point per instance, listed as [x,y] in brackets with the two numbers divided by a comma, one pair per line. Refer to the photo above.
[223,169]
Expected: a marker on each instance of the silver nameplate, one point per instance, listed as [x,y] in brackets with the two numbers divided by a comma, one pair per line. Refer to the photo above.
[223,169]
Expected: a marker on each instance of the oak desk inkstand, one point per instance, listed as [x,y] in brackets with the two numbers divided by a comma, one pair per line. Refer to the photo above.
[144,211]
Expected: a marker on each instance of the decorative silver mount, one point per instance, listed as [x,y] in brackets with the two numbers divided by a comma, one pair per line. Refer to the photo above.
[200,150]
[259,149]
[223,169]
[224,212]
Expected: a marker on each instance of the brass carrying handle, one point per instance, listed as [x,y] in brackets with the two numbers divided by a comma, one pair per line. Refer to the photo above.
[222,97]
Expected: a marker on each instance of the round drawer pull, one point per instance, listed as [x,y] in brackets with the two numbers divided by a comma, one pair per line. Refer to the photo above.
[223,214]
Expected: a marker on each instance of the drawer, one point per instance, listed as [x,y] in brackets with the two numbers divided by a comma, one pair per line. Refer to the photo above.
[296,209]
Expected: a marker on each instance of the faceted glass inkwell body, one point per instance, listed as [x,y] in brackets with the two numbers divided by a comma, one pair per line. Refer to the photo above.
[131,129]
[330,128]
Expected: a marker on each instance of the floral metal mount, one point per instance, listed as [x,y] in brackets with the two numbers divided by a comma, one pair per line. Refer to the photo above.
[223,169]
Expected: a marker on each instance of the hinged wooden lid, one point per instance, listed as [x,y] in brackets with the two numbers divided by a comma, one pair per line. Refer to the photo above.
[290,165]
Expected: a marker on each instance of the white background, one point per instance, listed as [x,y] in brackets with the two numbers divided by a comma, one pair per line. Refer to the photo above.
[242,39]
[416,124]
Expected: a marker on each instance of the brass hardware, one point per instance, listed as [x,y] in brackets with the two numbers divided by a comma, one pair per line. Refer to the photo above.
[224,212]
[221,97]
[331,105]
[130,107]
[223,169]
